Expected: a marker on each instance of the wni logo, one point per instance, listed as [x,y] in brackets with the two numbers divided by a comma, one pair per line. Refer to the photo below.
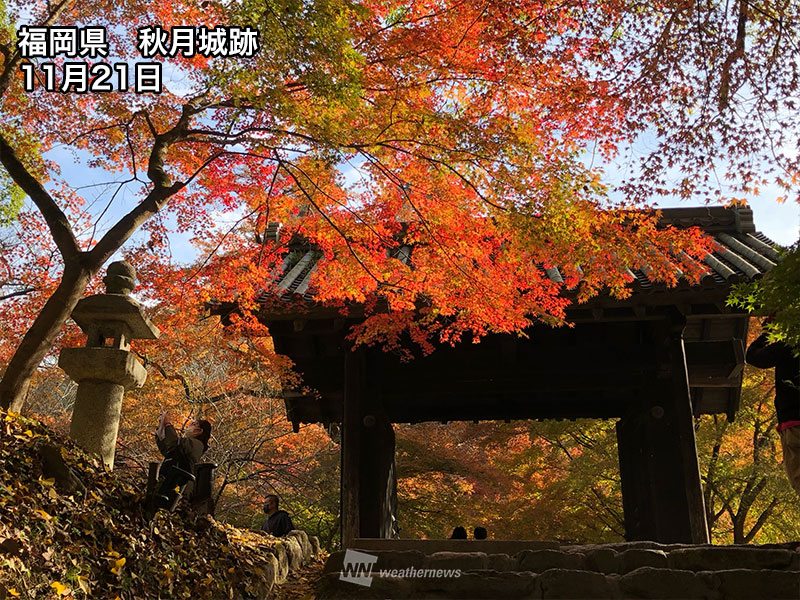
[357,567]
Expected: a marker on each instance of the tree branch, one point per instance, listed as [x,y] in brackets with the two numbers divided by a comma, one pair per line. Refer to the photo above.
[54,217]
[738,52]
[762,518]
[13,60]
[164,189]
[22,292]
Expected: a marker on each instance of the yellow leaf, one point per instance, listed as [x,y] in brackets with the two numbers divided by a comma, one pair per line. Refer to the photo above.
[13,592]
[43,514]
[47,482]
[28,432]
[83,584]
[60,588]
[117,565]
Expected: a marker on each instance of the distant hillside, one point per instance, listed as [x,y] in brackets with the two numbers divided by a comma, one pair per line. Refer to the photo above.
[59,540]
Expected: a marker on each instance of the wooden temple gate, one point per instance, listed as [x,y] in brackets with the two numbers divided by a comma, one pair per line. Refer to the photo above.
[653,361]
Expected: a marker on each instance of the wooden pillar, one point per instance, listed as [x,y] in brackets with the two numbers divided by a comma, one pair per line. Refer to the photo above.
[378,502]
[351,445]
[661,488]
[369,481]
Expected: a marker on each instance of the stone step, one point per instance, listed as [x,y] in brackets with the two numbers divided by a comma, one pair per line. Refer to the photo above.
[630,570]
[644,582]
[600,559]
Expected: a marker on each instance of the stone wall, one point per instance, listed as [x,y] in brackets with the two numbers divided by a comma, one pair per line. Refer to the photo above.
[630,570]
[293,550]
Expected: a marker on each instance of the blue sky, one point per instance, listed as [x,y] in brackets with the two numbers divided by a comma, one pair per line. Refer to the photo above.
[778,221]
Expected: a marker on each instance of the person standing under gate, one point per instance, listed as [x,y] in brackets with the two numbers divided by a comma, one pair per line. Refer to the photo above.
[786,362]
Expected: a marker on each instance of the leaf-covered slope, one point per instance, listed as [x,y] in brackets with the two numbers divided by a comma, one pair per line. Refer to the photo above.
[98,545]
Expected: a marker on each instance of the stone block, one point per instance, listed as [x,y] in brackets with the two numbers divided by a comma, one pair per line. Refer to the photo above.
[268,573]
[334,562]
[104,308]
[315,545]
[632,559]
[330,587]
[648,545]
[567,583]
[602,560]
[302,539]
[402,559]
[541,560]
[103,364]
[399,560]
[667,584]
[466,561]
[282,558]
[482,584]
[95,418]
[293,551]
[720,558]
[744,584]
[501,562]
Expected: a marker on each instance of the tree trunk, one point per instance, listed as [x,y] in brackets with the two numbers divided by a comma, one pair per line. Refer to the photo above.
[40,337]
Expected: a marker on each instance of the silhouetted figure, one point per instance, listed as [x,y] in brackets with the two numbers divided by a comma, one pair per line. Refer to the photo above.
[459,533]
[787,397]
[479,533]
[181,454]
[278,522]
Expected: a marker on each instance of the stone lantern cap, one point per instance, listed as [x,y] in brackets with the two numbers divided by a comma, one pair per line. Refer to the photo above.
[115,309]
[107,308]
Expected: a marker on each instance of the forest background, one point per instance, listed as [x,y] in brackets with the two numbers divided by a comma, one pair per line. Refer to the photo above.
[482,136]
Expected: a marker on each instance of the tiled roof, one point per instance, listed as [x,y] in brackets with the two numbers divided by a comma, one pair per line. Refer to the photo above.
[740,253]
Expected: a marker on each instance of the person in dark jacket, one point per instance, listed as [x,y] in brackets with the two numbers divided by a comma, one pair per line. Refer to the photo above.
[459,533]
[278,522]
[786,362]
[181,454]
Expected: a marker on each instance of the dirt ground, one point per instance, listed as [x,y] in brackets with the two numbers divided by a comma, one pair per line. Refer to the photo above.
[302,583]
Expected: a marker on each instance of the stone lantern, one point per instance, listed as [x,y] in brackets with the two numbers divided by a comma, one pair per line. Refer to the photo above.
[105,368]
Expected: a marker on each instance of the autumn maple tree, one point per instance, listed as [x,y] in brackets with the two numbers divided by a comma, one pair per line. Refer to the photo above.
[473,131]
